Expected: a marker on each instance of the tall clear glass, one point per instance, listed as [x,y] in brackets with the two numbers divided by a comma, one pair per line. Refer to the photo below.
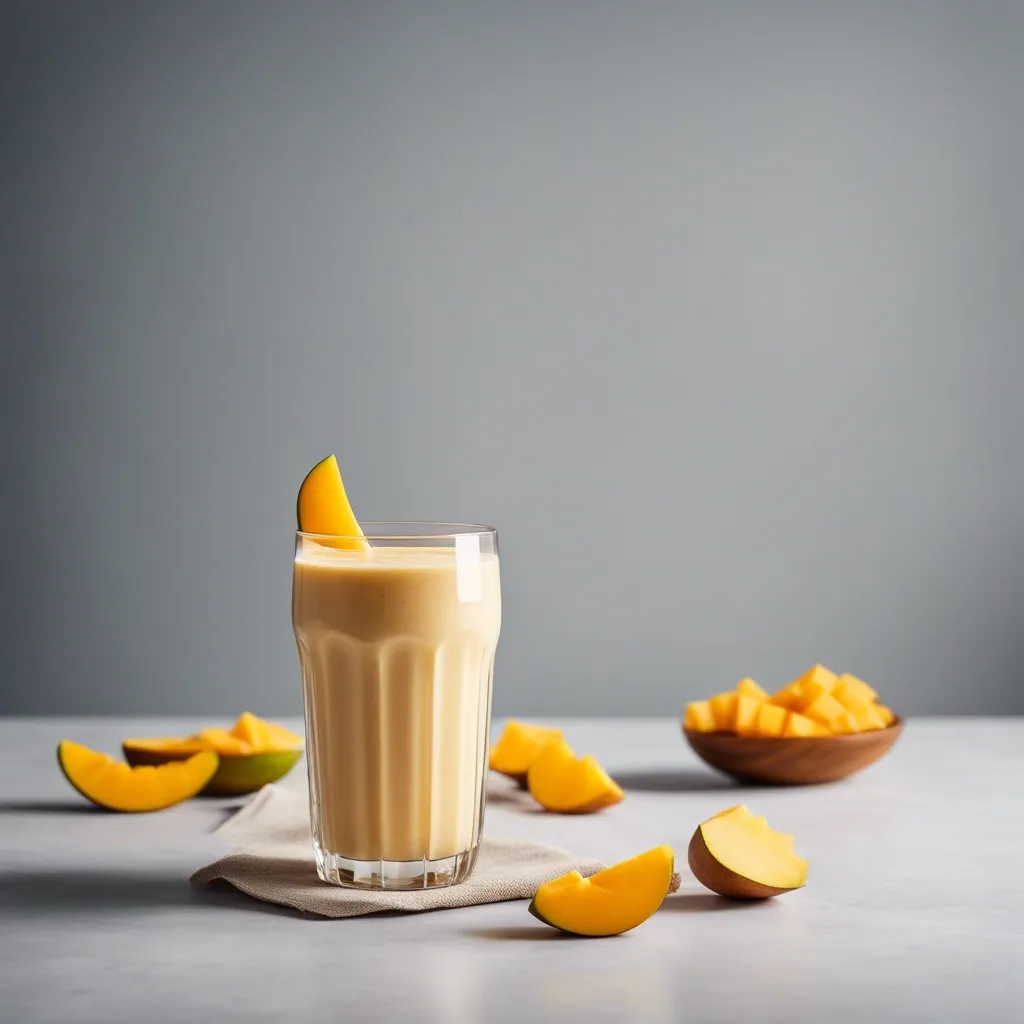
[396,640]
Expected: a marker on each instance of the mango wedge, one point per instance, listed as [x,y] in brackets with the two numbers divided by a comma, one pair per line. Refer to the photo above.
[737,854]
[612,901]
[560,781]
[517,748]
[117,786]
[323,508]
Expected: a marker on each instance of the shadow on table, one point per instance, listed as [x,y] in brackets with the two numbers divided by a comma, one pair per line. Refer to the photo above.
[514,798]
[49,893]
[673,780]
[224,811]
[49,807]
[706,903]
[523,933]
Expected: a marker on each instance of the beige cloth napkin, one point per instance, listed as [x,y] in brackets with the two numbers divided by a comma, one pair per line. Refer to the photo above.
[275,864]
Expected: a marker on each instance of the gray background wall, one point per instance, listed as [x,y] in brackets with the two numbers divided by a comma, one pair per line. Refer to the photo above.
[714,309]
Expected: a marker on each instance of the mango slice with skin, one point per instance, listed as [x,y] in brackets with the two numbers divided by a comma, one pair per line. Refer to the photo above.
[323,508]
[252,754]
[736,854]
[517,748]
[117,786]
[611,902]
[560,781]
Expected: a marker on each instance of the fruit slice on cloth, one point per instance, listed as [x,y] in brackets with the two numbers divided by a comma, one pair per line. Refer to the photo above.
[121,787]
[612,901]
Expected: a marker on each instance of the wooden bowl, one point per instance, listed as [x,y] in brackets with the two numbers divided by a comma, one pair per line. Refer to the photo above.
[793,762]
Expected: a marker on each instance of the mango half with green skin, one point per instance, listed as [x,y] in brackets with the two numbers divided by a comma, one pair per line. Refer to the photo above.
[236,774]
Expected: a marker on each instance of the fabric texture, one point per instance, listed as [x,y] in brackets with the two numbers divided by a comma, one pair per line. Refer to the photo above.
[274,863]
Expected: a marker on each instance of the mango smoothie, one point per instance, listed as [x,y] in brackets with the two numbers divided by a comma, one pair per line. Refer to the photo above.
[396,634]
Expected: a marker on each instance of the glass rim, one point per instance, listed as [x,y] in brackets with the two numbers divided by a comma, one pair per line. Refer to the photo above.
[404,529]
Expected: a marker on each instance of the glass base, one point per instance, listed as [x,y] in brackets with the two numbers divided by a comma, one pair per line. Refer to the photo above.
[394,874]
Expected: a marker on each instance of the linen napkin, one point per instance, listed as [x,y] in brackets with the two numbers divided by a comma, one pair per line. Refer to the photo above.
[275,864]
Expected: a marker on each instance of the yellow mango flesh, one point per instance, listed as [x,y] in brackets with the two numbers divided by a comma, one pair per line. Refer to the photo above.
[250,735]
[747,709]
[852,692]
[748,847]
[560,781]
[250,729]
[612,901]
[790,696]
[518,746]
[323,507]
[867,718]
[800,727]
[771,720]
[723,707]
[748,688]
[699,717]
[222,741]
[817,703]
[263,735]
[826,711]
[820,676]
[282,738]
[119,787]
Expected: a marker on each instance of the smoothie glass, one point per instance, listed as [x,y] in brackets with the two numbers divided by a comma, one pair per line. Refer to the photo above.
[396,642]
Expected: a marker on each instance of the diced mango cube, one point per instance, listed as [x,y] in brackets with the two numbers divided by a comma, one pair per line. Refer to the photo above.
[699,717]
[723,707]
[845,725]
[790,696]
[771,720]
[823,677]
[748,688]
[800,726]
[852,691]
[826,711]
[810,692]
[887,715]
[746,715]
[867,717]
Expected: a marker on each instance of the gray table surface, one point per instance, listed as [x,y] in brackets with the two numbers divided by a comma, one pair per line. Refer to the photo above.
[914,909]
